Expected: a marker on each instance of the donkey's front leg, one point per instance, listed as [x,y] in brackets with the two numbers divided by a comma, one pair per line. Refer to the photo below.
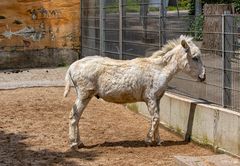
[157,136]
[153,134]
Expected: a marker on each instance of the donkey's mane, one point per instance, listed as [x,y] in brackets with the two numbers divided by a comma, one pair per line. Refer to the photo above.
[170,45]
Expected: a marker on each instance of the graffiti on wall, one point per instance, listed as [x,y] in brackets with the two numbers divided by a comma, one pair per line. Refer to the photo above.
[27,33]
[36,25]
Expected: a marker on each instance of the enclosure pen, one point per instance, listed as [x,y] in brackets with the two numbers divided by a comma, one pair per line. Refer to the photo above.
[119,82]
[126,30]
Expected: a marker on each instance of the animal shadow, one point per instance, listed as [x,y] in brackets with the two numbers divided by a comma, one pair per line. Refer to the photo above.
[135,144]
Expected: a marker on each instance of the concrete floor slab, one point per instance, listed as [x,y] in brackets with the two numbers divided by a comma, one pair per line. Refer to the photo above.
[214,160]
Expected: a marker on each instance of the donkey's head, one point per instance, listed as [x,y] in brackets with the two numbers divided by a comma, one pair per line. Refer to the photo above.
[190,61]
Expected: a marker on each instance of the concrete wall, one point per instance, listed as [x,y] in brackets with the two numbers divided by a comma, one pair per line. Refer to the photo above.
[203,123]
[51,57]
[35,33]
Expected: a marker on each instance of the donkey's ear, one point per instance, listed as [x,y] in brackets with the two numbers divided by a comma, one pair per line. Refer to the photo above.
[184,44]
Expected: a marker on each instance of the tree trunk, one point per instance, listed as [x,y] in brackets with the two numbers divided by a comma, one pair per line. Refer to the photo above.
[212,27]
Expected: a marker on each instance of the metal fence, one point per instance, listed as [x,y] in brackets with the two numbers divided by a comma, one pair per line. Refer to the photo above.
[126,29]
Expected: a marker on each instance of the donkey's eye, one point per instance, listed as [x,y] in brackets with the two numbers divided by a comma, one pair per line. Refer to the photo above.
[195,59]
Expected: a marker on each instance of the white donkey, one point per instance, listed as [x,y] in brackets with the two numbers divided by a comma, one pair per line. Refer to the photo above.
[126,81]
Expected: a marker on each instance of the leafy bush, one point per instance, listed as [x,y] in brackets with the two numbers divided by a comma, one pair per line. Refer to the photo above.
[237,5]
[183,3]
[191,7]
[196,29]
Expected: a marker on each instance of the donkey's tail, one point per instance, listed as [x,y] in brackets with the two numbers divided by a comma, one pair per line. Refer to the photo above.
[67,83]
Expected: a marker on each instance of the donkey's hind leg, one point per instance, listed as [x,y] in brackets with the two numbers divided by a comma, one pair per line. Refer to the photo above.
[75,115]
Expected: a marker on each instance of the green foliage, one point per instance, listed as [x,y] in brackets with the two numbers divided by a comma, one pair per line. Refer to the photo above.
[134,8]
[133,5]
[196,29]
[183,3]
[237,5]
[153,9]
[191,7]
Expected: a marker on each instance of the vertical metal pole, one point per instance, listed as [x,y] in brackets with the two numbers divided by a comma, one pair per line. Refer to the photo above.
[80,36]
[198,12]
[120,28]
[198,7]
[162,23]
[227,46]
[223,54]
[160,30]
[143,17]
[177,8]
[89,32]
[101,28]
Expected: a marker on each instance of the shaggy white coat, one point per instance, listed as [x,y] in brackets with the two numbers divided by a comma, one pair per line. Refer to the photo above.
[126,81]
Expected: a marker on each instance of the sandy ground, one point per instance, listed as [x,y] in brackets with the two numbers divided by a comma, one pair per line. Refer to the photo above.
[34,131]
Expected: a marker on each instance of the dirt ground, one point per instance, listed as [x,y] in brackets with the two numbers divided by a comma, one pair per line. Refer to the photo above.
[34,131]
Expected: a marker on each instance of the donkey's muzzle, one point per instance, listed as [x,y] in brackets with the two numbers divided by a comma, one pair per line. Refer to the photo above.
[202,78]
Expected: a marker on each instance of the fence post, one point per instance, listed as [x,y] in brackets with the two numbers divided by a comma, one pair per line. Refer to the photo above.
[227,53]
[162,16]
[81,31]
[198,12]
[120,7]
[101,27]
[143,17]
[198,7]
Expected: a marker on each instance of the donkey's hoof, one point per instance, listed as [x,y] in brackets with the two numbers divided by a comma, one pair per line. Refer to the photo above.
[81,145]
[148,143]
[75,146]
[159,143]
[153,143]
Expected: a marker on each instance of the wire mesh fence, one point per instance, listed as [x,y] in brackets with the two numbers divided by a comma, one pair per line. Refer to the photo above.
[126,29]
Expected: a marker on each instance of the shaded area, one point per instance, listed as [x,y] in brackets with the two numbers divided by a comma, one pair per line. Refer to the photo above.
[190,122]
[135,144]
[14,151]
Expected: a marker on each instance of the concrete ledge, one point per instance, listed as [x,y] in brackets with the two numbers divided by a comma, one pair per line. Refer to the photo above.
[202,123]
[216,160]
[30,84]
